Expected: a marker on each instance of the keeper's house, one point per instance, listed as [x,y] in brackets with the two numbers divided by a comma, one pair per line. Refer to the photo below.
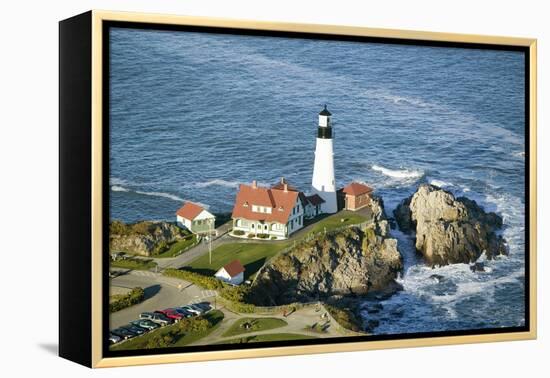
[264,213]
[195,218]
[356,196]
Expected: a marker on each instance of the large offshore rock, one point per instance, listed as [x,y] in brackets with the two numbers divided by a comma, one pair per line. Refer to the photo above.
[449,230]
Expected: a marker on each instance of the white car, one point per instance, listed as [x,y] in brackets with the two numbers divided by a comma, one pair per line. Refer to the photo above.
[113,339]
[192,309]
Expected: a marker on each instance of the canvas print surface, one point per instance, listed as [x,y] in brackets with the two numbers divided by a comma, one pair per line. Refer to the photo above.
[267,189]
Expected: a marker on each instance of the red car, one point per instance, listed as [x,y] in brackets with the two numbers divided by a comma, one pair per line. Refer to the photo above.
[171,313]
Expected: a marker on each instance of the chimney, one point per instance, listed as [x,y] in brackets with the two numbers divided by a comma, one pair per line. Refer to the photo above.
[285,186]
[254,184]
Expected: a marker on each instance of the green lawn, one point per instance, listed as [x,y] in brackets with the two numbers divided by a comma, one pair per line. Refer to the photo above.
[178,247]
[134,263]
[251,255]
[254,255]
[140,342]
[256,324]
[268,337]
[335,221]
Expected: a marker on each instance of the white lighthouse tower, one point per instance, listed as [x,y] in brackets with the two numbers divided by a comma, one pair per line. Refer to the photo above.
[323,170]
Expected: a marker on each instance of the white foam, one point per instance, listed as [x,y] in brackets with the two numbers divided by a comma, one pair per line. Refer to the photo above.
[161,194]
[399,174]
[395,99]
[217,182]
[116,181]
[116,188]
[440,183]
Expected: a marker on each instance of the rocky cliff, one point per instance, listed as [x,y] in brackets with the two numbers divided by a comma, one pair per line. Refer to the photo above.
[449,230]
[143,238]
[353,261]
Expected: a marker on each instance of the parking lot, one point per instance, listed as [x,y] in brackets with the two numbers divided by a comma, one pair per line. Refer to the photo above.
[160,293]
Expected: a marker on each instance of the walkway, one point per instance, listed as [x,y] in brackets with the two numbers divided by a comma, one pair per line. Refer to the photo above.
[298,322]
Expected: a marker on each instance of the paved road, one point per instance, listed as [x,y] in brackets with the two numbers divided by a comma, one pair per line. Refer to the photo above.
[160,293]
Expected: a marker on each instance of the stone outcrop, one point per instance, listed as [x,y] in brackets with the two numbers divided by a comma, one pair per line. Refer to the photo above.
[449,230]
[143,238]
[349,262]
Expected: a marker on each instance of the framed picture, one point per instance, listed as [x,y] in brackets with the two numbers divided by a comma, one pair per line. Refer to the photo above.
[235,189]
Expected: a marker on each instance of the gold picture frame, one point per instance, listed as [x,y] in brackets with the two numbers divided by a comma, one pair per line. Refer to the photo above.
[93,264]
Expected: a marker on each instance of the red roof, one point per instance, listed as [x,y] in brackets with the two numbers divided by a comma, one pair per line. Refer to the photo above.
[279,201]
[356,189]
[234,268]
[315,199]
[189,210]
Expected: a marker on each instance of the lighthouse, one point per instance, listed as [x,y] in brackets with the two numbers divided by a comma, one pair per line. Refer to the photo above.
[323,170]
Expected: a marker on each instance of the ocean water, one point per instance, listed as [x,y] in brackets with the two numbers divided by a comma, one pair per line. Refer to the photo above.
[195,114]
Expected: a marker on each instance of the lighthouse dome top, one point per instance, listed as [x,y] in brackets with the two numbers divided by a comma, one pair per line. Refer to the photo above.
[325,112]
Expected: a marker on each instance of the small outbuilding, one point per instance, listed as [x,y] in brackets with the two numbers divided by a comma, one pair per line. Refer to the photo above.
[313,206]
[195,218]
[356,196]
[232,273]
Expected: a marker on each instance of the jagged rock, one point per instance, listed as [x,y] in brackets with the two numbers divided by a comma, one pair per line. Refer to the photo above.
[477,267]
[350,262]
[449,230]
[142,238]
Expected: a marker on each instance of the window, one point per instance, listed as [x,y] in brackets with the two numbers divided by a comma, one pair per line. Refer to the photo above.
[252,226]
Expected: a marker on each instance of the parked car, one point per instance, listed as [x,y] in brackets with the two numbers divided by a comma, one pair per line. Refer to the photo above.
[113,339]
[192,309]
[156,317]
[135,329]
[205,306]
[123,333]
[146,324]
[171,314]
[184,312]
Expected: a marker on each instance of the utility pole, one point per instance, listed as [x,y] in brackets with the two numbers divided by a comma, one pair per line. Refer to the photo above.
[210,243]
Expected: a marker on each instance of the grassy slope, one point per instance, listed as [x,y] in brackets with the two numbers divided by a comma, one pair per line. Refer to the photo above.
[139,342]
[254,255]
[258,324]
[131,263]
[251,255]
[178,246]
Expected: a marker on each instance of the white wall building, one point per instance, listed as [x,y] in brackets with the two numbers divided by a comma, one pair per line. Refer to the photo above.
[323,182]
[274,212]
[195,218]
[232,273]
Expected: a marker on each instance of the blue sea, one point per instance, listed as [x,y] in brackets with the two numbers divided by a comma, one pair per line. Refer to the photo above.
[192,115]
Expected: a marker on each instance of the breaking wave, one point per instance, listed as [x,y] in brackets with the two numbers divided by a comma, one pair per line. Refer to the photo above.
[217,182]
[399,174]
[440,183]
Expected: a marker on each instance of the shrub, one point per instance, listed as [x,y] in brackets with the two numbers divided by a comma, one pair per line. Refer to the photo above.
[196,278]
[135,296]
[251,235]
[161,340]
[273,238]
[198,324]
[235,293]
[238,232]
[263,236]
